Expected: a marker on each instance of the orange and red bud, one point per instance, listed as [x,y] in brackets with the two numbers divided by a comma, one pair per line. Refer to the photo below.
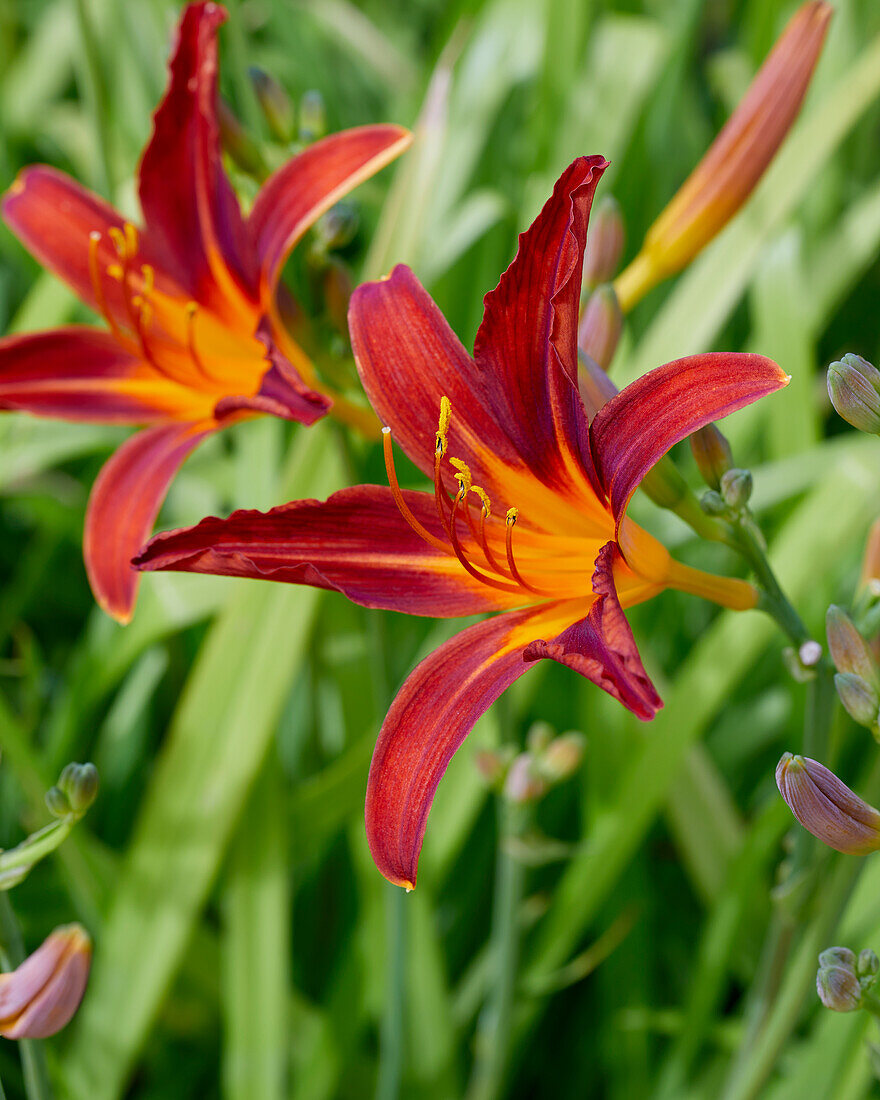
[41,995]
[736,160]
[826,807]
[600,326]
[605,242]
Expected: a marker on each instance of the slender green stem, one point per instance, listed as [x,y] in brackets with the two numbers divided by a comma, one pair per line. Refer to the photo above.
[494,1025]
[38,845]
[773,599]
[392,1034]
[33,1054]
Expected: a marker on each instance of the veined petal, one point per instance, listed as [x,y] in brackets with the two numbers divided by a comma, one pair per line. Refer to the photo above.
[123,505]
[82,373]
[356,542]
[638,426]
[294,197]
[432,714]
[601,646]
[526,347]
[189,206]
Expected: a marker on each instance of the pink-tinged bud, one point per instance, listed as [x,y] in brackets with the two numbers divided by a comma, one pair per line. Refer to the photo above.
[600,326]
[826,807]
[563,756]
[836,982]
[523,783]
[871,560]
[605,241]
[40,996]
[594,385]
[712,454]
[735,161]
[849,650]
[854,390]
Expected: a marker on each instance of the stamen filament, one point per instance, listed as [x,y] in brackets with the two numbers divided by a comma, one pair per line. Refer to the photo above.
[484,543]
[98,288]
[459,553]
[402,506]
[192,309]
[510,520]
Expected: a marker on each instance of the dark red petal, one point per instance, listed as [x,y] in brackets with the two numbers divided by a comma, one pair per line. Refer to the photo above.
[433,713]
[123,505]
[638,426]
[190,209]
[601,646]
[82,373]
[409,358]
[295,196]
[526,347]
[356,542]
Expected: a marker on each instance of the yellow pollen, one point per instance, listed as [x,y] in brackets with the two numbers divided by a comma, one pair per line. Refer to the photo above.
[98,288]
[115,272]
[484,500]
[149,276]
[131,240]
[443,425]
[463,475]
[510,518]
[118,238]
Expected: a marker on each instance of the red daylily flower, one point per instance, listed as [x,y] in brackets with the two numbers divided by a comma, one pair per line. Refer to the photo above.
[195,340]
[527,516]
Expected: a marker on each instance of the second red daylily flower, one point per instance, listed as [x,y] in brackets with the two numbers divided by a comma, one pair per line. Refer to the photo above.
[194,337]
[527,516]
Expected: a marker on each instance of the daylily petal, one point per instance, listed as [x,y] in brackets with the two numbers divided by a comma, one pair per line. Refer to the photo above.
[429,719]
[188,203]
[82,373]
[293,198]
[526,347]
[638,426]
[601,645]
[356,542]
[123,505]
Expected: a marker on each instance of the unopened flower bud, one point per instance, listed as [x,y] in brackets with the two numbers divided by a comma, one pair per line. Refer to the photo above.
[871,559]
[867,967]
[849,650]
[539,737]
[79,782]
[41,995]
[238,143]
[275,104]
[594,385]
[837,985]
[712,454]
[58,802]
[854,389]
[563,756]
[826,807]
[859,698]
[604,242]
[312,116]
[838,956]
[523,783]
[492,764]
[736,488]
[600,326]
[664,484]
[713,504]
[337,227]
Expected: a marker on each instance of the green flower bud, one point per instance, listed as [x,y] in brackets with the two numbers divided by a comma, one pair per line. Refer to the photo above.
[312,116]
[849,650]
[563,756]
[605,242]
[275,104]
[736,488]
[838,956]
[713,504]
[238,143]
[712,454]
[838,988]
[859,698]
[79,782]
[600,326]
[539,737]
[867,967]
[337,227]
[58,802]
[854,389]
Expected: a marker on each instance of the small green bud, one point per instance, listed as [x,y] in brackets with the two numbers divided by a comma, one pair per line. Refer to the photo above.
[849,650]
[58,802]
[563,756]
[867,967]
[337,227]
[859,699]
[79,782]
[664,484]
[312,116]
[838,988]
[238,143]
[275,104]
[712,454]
[838,956]
[854,389]
[605,241]
[601,325]
[713,504]
[539,737]
[736,488]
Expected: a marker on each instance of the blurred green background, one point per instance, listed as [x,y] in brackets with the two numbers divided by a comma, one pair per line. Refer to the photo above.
[245,946]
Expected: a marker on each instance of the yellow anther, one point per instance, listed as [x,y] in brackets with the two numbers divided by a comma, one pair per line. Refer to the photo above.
[192,308]
[443,426]
[115,272]
[510,518]
[118,238]
[131,239]
[149,276]
[484,499]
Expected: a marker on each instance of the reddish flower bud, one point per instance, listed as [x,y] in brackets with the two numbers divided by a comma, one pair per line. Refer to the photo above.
[41,995]
[594,385]
[826,807]
[600,326]
[849,650]
[604,242]
[712,454]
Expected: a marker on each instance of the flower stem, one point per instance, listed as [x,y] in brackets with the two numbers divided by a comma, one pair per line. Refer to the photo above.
[33,1054]
[392,1034]
[773,600]
[494,1025]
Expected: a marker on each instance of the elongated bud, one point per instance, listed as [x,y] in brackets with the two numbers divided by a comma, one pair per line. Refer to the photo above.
[600,326]
[563,756]
[871,561]
[735,161]
[826,807]
[275,104]
[39,997]
[736,488]
[238,143]
[859,698]
[854,389]
[79,782]
[539,737]
[849,650]
[836,981]
[312,116]
[523,782]
[712,454]
[594,385]
[605,240]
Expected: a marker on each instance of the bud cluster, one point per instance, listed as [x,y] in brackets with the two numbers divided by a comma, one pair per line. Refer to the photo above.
[523,778]
[844,983]
[857,680]
[75,791]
